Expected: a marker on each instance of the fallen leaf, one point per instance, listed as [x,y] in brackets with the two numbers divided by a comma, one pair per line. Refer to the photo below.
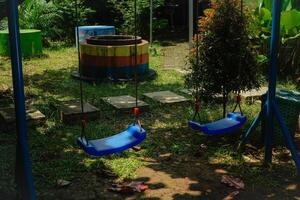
[134,186]
[136,148]
[231,181]
[138,186]
[231,195]
[62,183]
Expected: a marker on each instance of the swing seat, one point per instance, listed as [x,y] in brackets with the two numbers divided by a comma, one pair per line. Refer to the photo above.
[129,138]
[231,123]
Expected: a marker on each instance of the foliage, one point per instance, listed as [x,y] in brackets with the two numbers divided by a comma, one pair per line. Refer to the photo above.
[55,154]
[2,9]
[226,61]
[126,9]
[290,18]
[56,19]
[39,14]
[105,13]
[289,56]
[3,13]
[3,24]
[67,10]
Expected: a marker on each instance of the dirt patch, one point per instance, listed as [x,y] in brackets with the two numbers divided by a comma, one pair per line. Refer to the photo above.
[193,179]
[174,178]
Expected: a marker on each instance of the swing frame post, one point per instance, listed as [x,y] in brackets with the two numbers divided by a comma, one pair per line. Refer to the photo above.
[151,24]
[191,22]
[23,175]
[270,110]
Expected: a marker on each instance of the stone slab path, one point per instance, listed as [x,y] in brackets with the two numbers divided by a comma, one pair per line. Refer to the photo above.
[166,97]
[8,119]
[125,103]
[70,112]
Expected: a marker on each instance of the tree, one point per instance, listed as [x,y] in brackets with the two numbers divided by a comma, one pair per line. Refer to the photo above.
[125,9]
[223,60]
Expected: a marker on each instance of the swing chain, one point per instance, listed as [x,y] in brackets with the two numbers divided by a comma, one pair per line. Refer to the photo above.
[136,113]
[197,105]
[83,124]
[238,98]
[197,108]
[238,103]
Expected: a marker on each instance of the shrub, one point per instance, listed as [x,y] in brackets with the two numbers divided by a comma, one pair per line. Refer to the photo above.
[3,24]
[226,61]
[126,9]
[39,14]
[289,54]
[56,18]
[67,24]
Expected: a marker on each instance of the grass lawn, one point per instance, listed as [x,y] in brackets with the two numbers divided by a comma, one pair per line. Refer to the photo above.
[171,149]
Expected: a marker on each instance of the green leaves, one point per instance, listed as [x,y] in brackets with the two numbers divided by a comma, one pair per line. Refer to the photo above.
[285,4]
[126,10]
[289,58]
[290,17]
[56,19]
[226,61]
[290,22]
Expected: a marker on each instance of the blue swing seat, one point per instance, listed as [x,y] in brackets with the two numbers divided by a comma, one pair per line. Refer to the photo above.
[129,138]
[231,123]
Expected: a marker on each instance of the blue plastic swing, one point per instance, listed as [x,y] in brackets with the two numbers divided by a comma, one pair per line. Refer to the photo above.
[129,138]
[231,123]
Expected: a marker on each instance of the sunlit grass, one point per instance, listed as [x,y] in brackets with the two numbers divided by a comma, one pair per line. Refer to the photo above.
[55,154]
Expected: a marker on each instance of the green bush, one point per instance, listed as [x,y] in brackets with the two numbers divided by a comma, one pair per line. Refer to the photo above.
[126,9]
[39,14]
[3,24]
[289,54]
[105,13]
[66,9]
[56,18]
[226,61]
[2,9]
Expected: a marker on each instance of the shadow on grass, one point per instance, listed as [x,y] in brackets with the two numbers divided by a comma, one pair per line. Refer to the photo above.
[177,168]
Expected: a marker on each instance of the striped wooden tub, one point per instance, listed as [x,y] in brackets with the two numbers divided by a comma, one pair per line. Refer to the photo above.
[99,59]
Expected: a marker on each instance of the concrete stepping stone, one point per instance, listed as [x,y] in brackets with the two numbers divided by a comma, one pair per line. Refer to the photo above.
[70,112]
[8,119]
[166,97]
[125,103]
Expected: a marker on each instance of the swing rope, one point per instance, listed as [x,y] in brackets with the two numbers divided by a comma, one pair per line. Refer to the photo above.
[130,137]
[197,98]
[83,123]
[136,111]
[238,97]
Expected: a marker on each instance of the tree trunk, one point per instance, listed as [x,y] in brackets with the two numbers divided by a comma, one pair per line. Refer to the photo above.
[224,103]
[3,8]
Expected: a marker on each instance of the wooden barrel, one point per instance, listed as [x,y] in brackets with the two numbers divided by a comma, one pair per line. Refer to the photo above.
[114,61]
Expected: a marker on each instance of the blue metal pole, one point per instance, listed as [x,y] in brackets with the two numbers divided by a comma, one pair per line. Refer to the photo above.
[23,164]
[288,138]
[251,129]
[272,79]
